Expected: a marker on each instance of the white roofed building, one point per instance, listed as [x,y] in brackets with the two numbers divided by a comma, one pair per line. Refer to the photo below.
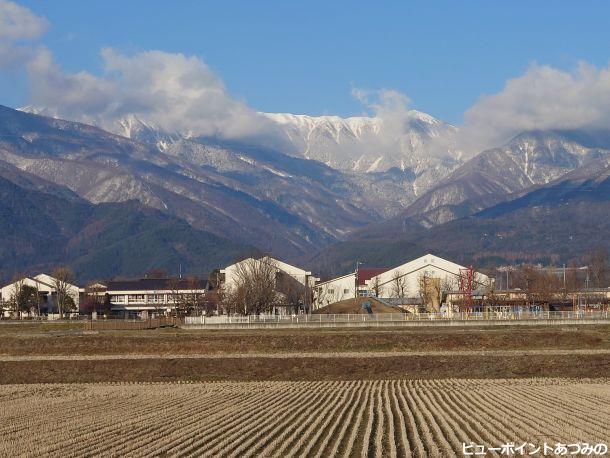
[46,292]
[422,280]
[286,277]
[345,287]
[229,273]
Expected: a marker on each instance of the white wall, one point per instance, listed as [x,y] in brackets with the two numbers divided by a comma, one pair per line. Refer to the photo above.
[300,275]
[335,290]
[435,267]
[43,282]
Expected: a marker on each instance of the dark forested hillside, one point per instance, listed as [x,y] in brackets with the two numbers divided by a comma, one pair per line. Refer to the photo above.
[555,223]
[44,225]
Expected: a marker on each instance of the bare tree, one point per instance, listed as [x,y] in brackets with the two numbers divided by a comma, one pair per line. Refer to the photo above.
[193,299]
[254,287]
[597,264]
[429,292]
[13,302]
[329,293]
[292,291]
[449,283]
[399,285]
[376,286]
[176,296]
[37,288]
[93,299]
[217,296]
[63,280]
[540,287]
[573,283]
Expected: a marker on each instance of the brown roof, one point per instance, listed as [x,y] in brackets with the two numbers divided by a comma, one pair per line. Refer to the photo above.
[366,273]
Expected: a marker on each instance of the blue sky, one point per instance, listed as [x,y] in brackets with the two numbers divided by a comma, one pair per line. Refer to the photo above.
[305,57]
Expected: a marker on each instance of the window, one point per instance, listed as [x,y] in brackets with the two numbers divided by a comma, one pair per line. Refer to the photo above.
[331,291]
[117,298]
[136,298]
[346,291]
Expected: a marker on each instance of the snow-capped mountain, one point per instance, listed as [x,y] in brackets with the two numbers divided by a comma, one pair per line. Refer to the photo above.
[368,144]
[335,176]
[354,144]
[395,161]
[553,223]
[246,193]
[387,165]
[134,128]
[529,160]
[392,160]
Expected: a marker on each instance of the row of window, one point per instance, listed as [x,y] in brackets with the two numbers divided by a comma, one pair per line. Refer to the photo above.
[149,298]
[332,291]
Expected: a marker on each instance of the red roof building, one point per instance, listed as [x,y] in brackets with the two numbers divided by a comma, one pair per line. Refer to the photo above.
[366,273]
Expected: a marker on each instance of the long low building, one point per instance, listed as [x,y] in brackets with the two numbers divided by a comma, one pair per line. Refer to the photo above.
[152,295]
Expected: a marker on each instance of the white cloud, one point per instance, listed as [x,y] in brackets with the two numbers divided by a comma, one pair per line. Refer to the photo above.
[181,93]
[391,106]
[398,121]
[20,23]
[173,91]
[543,98]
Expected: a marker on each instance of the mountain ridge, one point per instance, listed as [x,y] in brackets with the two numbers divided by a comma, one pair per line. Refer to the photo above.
[254,203]
[44,227]
[554,223]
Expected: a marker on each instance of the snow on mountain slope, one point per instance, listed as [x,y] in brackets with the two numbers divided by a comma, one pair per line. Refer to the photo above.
[276,202]
[376,171]
[417,149]
[528,160]
[368,144]
[133,127]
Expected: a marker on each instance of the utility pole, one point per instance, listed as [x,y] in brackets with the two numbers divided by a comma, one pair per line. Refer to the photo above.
[356,279]
[587,289]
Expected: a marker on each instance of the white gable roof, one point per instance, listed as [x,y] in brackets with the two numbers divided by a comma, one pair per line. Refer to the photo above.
[423,262]
[333,280]
[284,267]
[45,279]
[10,288]
[50,281]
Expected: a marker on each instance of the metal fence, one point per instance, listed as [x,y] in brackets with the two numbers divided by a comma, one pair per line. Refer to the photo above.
[390,319]
[131,324]
[339,320]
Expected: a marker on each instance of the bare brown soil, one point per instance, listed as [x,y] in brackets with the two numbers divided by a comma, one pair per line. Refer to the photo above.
[307,368]
[52,355]
[170,342]
[353,306]
[352,419]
